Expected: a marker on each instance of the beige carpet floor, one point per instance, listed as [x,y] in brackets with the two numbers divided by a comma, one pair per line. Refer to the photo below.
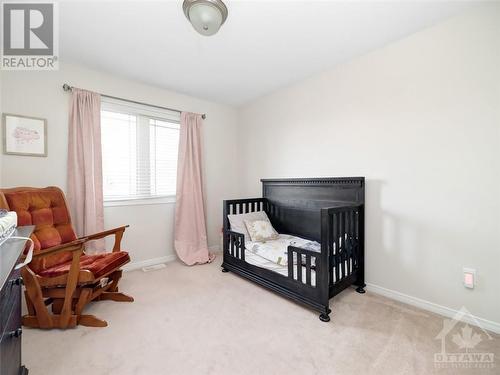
[197,320]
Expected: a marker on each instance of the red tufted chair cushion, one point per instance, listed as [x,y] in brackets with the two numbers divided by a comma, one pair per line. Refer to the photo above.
[46,209]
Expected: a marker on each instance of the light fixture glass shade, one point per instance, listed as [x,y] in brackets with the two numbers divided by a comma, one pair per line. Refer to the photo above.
[206,16]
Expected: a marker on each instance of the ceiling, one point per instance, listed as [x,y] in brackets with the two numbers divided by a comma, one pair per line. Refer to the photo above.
[264,45]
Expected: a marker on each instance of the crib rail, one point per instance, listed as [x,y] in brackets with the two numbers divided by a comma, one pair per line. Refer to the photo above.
[342,236]
[302,260]
[235,244]
[244,206]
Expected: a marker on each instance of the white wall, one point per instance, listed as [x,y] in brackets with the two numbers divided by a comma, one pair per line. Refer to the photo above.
[150,236]
[1,126]
[420,119]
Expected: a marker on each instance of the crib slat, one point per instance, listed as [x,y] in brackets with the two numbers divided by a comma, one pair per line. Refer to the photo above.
[337,245]
[354,241]
[331,242]
[308,269]
[342,246]
[346,236]
[242,250]
[290,264]
[349,242]
[348,247]
[231,250]
[356,250]
[299,267]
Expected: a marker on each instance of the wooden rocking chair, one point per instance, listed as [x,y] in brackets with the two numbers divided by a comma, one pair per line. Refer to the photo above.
[61,275]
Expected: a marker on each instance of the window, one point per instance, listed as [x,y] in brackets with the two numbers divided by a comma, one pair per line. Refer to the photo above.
[139,150]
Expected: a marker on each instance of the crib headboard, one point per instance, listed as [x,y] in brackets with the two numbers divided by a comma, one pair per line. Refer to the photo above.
[294,204]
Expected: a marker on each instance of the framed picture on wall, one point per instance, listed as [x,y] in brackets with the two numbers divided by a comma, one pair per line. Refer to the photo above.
[24,135]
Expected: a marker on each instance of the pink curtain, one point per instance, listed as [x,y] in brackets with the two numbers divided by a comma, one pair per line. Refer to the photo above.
[190,228]
[85,195]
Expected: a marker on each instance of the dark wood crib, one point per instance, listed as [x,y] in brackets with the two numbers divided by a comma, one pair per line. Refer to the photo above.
[327,210]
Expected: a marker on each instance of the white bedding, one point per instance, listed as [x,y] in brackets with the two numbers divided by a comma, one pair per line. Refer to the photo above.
[258,261]
[276,251]
[273,255]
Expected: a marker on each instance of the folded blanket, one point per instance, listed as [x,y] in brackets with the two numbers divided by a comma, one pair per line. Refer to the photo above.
[277,250]
[8,223]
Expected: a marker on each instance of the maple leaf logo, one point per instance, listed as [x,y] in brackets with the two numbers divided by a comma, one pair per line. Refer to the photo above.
[467,340]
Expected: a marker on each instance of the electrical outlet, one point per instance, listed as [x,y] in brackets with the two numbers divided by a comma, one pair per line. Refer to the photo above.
[469,278]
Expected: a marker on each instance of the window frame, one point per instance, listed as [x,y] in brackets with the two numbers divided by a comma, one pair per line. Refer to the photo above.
[149,112]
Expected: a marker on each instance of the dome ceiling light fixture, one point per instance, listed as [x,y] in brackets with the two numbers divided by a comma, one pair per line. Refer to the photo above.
[206,16]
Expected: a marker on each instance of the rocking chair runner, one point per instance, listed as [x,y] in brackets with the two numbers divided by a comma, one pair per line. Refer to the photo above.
[61,275]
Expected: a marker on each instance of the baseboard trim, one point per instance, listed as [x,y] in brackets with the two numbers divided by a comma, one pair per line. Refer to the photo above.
[433,307]
[214,248]
[149,262]
[154,261]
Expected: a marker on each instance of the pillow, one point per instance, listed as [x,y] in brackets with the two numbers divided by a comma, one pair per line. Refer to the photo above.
[237,221]
[261,230]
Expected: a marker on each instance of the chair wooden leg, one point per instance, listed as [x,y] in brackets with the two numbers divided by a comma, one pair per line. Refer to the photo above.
[67,311]
[85,296]
[112,293]
[57,305]
[115,277]
[35,296]
[70,289]
[91,321]
[29,304]
[115,296]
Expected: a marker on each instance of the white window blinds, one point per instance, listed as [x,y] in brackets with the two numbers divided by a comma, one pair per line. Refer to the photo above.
[139,150]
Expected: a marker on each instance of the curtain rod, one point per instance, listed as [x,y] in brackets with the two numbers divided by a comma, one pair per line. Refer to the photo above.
[67,87]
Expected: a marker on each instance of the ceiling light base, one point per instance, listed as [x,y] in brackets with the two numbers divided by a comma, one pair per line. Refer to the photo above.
[206,16]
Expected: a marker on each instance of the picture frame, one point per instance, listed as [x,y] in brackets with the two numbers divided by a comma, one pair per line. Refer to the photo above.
[24,135]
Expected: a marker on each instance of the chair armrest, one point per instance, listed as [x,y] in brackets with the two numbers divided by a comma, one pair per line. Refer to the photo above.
[70,246]
[118,232]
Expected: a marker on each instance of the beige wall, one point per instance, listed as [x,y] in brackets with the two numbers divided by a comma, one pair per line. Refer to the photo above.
[421,120]
[40,94]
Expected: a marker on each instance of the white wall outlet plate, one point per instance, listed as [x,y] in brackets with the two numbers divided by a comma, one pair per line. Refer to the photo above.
[469,278]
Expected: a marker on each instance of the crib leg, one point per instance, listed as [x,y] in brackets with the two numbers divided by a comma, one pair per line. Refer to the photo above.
[361,289]
[225,270]
[324,317]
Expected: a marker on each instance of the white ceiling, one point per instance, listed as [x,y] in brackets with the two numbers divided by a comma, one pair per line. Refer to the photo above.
[262,46]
